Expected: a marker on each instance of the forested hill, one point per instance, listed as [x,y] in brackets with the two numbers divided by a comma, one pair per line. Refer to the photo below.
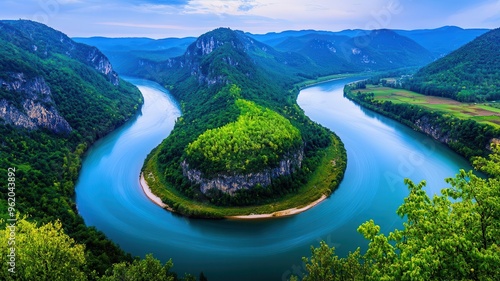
[231,100]
[471,73]
[57,97]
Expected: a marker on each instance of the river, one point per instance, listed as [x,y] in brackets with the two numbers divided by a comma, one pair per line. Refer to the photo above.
[381,153]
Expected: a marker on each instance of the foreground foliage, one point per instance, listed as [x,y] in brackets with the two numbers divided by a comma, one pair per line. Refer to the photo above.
[47,253]
[452,236]
[41,253]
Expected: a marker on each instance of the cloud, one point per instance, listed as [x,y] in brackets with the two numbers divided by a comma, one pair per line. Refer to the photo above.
[219,7]
[161,18]
[246,5]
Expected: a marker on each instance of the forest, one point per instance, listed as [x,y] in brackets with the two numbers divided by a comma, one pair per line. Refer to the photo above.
[469,74]
[259,138]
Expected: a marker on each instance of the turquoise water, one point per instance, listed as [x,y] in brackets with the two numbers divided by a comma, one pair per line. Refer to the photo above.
[381,153]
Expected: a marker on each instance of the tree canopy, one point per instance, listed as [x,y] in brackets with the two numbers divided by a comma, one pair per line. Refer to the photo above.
[258,138]
[452,236]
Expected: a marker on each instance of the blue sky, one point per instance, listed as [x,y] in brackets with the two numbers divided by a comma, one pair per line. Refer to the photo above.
[181,18]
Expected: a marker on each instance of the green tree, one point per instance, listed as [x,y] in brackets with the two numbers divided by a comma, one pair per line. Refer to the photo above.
[41,253]
[325,265]
[452,236]
[145,269]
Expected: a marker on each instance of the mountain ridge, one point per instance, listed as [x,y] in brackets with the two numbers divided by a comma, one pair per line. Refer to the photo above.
[470,73]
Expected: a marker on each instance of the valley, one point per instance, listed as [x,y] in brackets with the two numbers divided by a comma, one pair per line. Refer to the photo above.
[260,146]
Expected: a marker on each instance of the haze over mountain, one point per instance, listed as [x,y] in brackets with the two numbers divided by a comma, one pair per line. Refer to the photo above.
[125,53]
[443,40]
[439,41]
[312,53]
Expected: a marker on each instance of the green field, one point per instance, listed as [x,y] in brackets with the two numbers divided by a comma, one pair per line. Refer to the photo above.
[488,113]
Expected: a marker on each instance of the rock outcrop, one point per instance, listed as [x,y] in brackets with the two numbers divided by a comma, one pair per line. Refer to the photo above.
[427,127]
[36,107]
[101,63]
[229,184]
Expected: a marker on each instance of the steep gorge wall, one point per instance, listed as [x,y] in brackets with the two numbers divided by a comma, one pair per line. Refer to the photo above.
[36,110]
[290,163]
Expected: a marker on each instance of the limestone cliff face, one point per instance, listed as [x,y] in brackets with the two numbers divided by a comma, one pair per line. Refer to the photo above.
[101,63]
[231,183]
[36,109]
[437,133]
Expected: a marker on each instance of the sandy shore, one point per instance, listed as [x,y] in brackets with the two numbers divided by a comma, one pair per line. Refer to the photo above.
[149,194]
[282,213]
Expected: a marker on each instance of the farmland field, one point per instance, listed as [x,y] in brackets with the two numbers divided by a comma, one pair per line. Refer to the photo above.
[488,112]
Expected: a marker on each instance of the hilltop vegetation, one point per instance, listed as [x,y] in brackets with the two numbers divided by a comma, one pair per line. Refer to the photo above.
[259,138]
[469,74]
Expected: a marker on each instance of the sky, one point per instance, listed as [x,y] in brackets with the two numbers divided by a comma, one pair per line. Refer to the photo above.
[183,18]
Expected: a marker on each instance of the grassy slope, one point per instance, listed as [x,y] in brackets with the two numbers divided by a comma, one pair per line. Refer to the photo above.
[480,112]
[323,181]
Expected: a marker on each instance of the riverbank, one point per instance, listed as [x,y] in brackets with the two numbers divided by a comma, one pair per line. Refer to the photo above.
[283,213]
[468,129]
[147,191]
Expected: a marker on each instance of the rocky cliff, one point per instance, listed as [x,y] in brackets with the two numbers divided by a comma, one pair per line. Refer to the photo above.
[34,108]
[428,127]
[231,183]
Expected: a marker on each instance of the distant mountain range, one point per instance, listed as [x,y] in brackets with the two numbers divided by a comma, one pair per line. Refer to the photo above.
[439,41]
[313,53]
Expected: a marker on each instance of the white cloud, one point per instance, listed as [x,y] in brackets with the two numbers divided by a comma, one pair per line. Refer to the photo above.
[157,9]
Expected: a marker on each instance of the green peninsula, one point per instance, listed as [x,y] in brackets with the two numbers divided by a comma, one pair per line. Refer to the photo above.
[242,146]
